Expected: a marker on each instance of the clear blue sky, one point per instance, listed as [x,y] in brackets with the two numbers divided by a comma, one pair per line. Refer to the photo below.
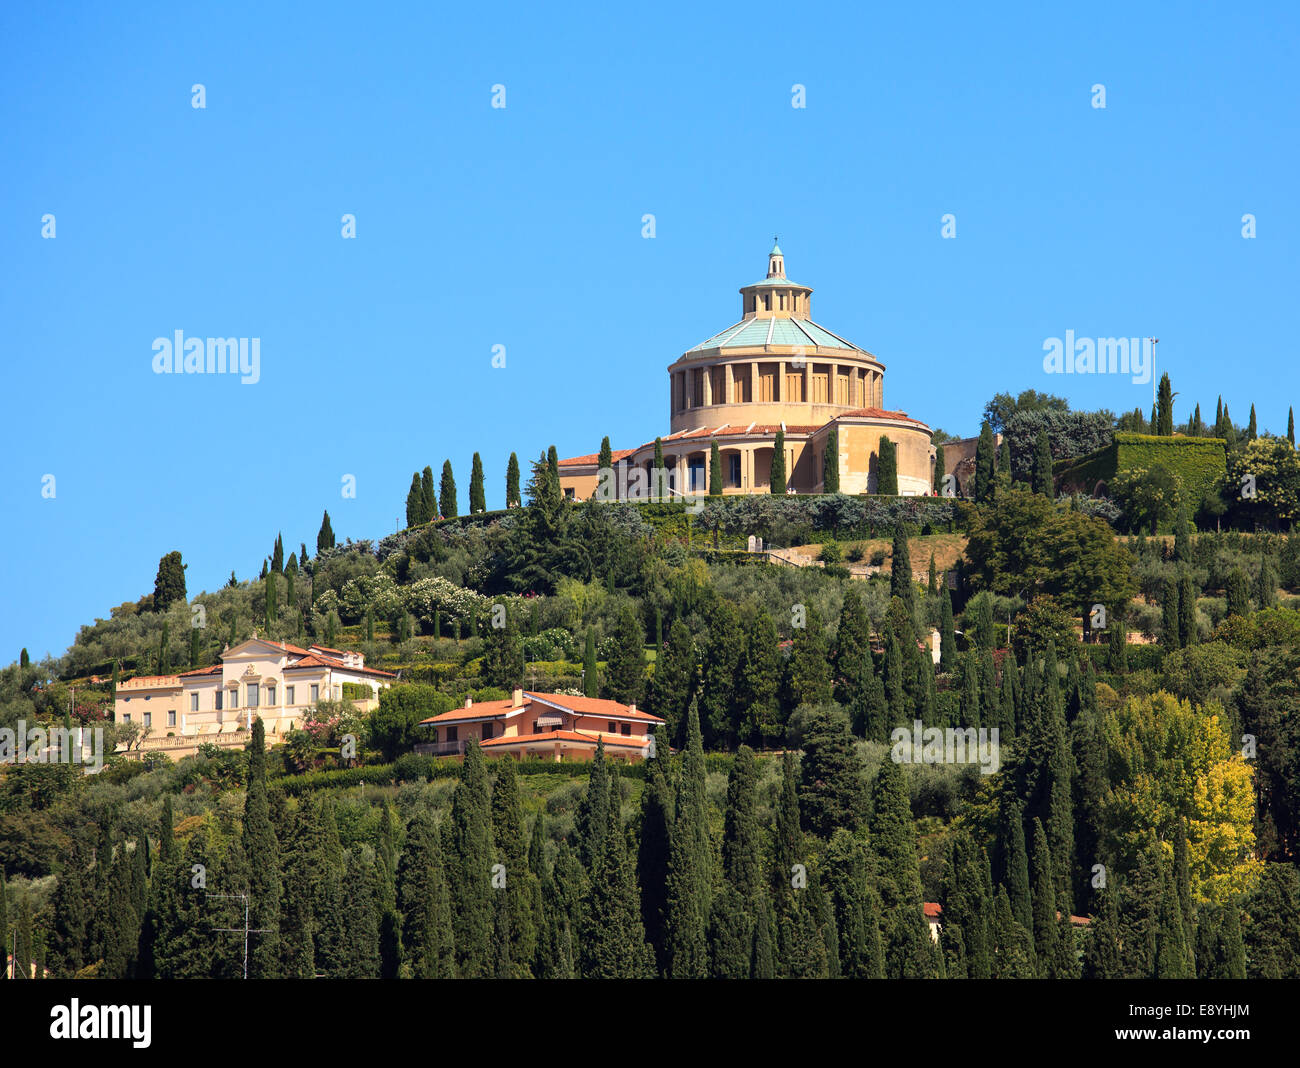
[522,227]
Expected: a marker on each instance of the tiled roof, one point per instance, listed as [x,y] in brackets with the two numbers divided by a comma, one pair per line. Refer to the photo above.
[595,706]
[756,333]
[478,710]
[594,457]
[312,660]
[878,413]
[215,669]
[627,742]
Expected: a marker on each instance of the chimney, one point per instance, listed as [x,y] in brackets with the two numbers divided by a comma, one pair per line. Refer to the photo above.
[517,699]
[469,702]
[631,707]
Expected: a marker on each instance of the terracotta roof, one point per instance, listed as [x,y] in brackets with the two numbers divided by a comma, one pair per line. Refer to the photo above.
[215,669]
[327,649]
[932,909]
[311,660]
[593,457]
[569,736]
[594,706]
[478,710]
[880,413]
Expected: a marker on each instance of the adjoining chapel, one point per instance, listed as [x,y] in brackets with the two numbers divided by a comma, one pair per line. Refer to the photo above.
[773,370]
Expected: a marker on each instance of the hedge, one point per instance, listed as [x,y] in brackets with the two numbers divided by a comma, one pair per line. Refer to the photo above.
[1197,463]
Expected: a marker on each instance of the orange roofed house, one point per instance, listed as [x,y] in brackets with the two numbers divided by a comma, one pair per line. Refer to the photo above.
[544,725]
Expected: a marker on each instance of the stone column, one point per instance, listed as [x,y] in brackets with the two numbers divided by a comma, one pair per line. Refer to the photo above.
[707,374]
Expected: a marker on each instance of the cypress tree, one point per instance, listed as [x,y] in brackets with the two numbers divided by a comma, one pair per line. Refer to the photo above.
[909,951]
[1172,956]
[428,496]
[513,497]
[984,464]
[414,502]
[761,679]
[4,919]
[592,818]
[831,789]
[852,645]
[656,489]
[361,919]
[508,836]
[810,675]
[831,463]
[270,597]
[324,538]
[1016,875]
[947,634]
[1182,536]
[553,473]
[625,668]
[690,862]
[1044,902]
[901,582]
[654,847]
[447,492]
[887,469]
[1266,585]
[933,578]
[1169,628]
[1251,429]
[1290,426]
[262,851]
[67,952]
[787,839]
[940,469]
[715,470]
[895,692]
[1164,418]
[1187,611]
[1101,959]
[612,941]
[477,496]
[1237,593]
[425,902]
[605,461]
[468,849]
[1003,477]
[777,478]
[1013,951]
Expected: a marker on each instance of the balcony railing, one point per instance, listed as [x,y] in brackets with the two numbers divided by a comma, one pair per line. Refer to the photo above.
[439,748]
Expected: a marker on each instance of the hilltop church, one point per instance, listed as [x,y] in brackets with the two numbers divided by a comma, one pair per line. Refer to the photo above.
[774,370]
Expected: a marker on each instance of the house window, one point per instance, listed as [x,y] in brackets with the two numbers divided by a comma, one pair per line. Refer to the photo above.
[487,730]
[735,470]
[234,697]
[270,694]
[171,717]
[194,702]
[126,717]
[148,719]
[315,693]
[220,698]
[252,695]
[288,695]
[627,728]
[767,301]
[452,734]
[613,727]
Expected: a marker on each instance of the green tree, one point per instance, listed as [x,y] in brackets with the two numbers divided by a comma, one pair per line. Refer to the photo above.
[590,669]
[1164,419]
[1169,630]
[522,893]
[940,469]
[887,468]
[625,669]
[447,492]
[414,502]
[468,848]
[325,538]
[428,498]
[513,499]
[777,478]
[262,851]
[831,463]
[477,496]
[832,791]
[169,585]
[984,449]
[715,470]
[810,676]
[690,858]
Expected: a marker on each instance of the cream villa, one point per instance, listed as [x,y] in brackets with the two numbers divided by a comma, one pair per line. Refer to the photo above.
[774,370]
[274,680]
[543,725]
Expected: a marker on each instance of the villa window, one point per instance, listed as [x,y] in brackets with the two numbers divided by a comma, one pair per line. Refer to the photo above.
[288,695]
[734,464]
[315,693]
[220,699]
[126,717]
[148,719]
[451,735]
[613,727]
[194,702]
[270,694]
[627,728]
[171,717]
[783,302]
[252,695]
[767,301]
[487,730]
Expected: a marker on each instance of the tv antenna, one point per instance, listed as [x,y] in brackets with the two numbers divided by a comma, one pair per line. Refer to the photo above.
[245,930]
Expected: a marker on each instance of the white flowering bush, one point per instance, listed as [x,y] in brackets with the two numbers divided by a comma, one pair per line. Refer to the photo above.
[438,596]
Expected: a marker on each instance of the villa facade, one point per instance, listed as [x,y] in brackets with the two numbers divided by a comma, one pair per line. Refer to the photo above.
[259,677]
[548,726]
[774,370]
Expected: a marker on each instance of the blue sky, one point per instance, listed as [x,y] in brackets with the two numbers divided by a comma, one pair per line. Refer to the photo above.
[522,227]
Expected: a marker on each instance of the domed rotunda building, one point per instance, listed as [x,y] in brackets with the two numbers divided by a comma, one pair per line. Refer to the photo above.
[774,370]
